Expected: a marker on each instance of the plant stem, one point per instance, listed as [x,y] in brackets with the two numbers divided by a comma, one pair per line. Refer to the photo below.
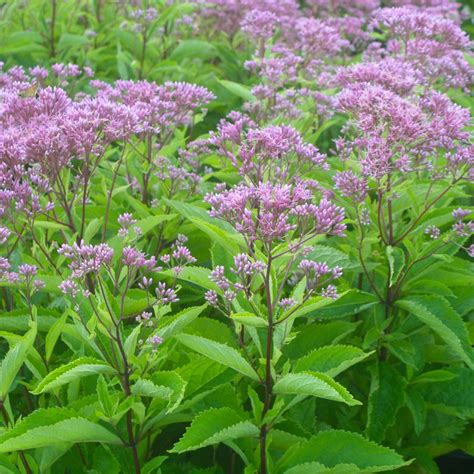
[268,370]
[126,381]
[143,55]
[6,419]
[53,27]
[109,196]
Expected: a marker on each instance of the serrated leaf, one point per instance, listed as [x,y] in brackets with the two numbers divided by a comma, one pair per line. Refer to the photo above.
[437,313]
[49,427]
[331,256]
[175,383]
[82,367]
[198,276]
[387,395]
[172,325]
[238,89]
[314,384]
[249,319]
[318,468]
[432,376]
[352,302]
[318,335]
[342,447]
[396,261]
[214,426]
[146,388]
[203,374]
[193,49]
[53,335]
[455,397]
[331,360]
[417,406]
[218,352]
[105,399]
[14,359]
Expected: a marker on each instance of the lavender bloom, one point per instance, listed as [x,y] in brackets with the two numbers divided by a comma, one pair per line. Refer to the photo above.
[433,232]
[280,210]
[126,221]
[134,258]
[286,303]
[260,25]
[86,259]
[4,234]
[212,298]
[219,278]
[145,318]
[165,295]
[227,15]
[351,186]
[330,292]
[434,45]
[274,153]
[459,214]
[69,287]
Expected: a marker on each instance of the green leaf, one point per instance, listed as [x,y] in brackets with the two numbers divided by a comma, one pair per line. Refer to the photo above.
[249,319]
[218,352]
[53,335]
[434,376]
[213,426]
[331,256]
[454,397]
[437,313]
[387,396]
[38,431]
[417,406]
[173,381]
[318,468]
[105,399]
[193,49]
[74,370]
[14,359]
[238,89]
[172,325]
[131,342]
[151,466]
[203,374]
[19,320]
[331,360]
[218,230]
[396,261]
[314,384]
[146,388]
[198,276]
[318,335]
[70,42]
[352,302]
[335,447]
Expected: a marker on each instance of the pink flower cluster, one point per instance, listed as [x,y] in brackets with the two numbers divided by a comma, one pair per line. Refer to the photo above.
[434,45]
[276,153]
[45,132]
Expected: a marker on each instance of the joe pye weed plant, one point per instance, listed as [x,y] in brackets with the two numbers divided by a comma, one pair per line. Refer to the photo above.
[235,237]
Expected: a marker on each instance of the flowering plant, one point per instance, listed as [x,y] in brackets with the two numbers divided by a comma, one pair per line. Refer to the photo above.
[235,236]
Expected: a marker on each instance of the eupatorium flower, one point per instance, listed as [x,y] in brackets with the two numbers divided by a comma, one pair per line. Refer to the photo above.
[404,134]
[270,212]
[276,153]
[352,186]
[85,258]
[434,45]
[260,25]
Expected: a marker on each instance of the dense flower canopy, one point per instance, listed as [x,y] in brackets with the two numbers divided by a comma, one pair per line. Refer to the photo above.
[235,235]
